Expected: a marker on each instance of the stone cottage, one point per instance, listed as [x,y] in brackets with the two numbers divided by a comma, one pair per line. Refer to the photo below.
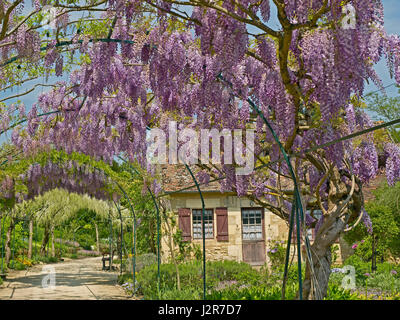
[235,228]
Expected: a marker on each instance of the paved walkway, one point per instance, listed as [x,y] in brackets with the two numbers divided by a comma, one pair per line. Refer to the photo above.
[80,279]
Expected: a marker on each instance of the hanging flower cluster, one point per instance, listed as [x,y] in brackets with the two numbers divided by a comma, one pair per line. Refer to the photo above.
[71,176]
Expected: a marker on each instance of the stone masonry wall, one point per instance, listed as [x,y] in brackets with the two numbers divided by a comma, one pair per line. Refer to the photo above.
[275,228]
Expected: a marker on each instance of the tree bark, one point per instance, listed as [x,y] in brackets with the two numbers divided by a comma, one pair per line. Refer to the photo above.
[322,259]
[321,253]
[53,249]
[30,239]
[8,240]
[44,241]
[97,238]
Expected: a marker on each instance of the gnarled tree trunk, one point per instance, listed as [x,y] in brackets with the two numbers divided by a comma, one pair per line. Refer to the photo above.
[322,259]
[344,203]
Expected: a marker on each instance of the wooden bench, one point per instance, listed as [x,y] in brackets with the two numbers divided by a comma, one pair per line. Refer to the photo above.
[109,259]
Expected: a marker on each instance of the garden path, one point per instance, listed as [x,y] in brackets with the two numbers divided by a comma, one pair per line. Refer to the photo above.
[80,279]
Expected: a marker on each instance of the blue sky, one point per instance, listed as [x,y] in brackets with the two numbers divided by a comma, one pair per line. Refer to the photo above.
[392,25]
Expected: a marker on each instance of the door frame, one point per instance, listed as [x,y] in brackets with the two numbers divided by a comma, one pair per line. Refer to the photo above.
[263,231]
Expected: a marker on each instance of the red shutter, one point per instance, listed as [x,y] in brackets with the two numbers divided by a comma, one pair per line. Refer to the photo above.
[222,224]
[184,223]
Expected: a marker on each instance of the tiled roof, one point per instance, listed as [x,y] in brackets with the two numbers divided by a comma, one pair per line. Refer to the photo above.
[177,177]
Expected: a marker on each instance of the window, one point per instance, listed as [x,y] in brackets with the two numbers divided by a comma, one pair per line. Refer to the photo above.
[208,223]
[252,224]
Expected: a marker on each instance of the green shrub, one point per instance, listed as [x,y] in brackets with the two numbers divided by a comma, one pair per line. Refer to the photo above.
[293,273]
[336,278]
[17,265]
[384,281]
[262,292]
[388,267]
[228,270]
[45,259]
[125,277]
[145,260]
[336,292]
[191,276]
[277,253]
[184,294]
[4,266]
[361,268]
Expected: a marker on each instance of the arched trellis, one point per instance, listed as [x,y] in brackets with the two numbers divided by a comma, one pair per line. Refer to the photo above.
[202,227]
[158,225]
[122,245]
[134,170]
[297,206]
[88,202]
[133,217]
[84,192]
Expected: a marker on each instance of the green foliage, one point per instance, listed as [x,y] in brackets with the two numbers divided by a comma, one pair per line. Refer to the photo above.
[336,292]
[277,253]
[387,109]
[361,268]
[363,249]
[145,260]
[228,270]
[125,277]
[386,227]
[3,266]
[263,292]
[45,259]
[191,276]
[384,281]
[335,253]
[17,265]
[184,294]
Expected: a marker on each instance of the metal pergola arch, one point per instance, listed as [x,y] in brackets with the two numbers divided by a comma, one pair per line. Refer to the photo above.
[134,170]
[3,219]
[158,226]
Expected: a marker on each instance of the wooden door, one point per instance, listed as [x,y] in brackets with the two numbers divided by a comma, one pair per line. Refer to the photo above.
[253,243]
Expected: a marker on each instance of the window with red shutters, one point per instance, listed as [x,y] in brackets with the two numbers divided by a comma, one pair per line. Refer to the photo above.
[184,223]
[222,224]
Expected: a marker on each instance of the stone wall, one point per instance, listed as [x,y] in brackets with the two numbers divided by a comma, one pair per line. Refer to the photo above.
[275,228]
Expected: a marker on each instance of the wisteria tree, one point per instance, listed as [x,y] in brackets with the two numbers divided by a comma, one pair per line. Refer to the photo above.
[206,64]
